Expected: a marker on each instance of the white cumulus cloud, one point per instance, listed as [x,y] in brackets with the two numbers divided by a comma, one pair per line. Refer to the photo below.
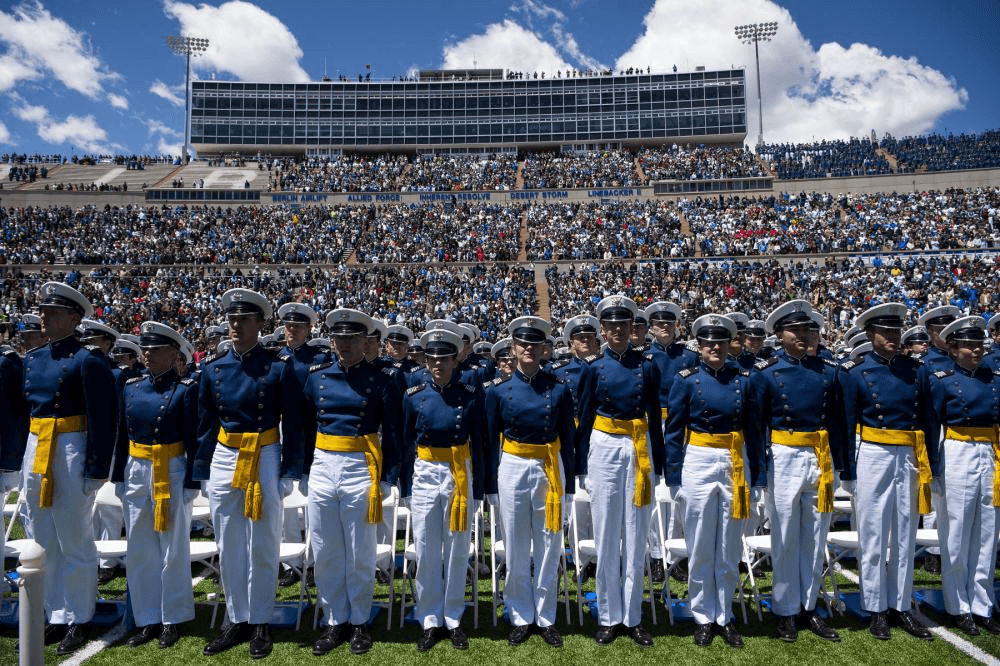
[82,132]
[173,94]
[39,44]
[244,40]
[118,101]
[831,91]
[4,134]
[505,45]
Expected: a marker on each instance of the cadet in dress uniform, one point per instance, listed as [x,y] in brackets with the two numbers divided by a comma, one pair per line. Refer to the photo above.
[755,335]
[397,344]
[965,405]
[13,424]
[619,448]
[802,417]
[503,357]
[125,354]
[31,336]
[244,394]
[580,333]
[738,352]
[444,436]
[714,457]
[530,417]
[351,471]
[68,456]
[160,414]
[885,400]
[993,328]
[416,353]
[916,342]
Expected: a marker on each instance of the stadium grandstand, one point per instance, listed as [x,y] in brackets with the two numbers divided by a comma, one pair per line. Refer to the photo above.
[489,194]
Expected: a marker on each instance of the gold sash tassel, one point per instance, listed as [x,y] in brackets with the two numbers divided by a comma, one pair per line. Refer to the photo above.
[48,430]
[160,454]
[247,474]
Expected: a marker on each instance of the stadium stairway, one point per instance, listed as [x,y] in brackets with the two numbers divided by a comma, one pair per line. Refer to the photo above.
[519,176]
[686,231]
[638,170]
[542,289]
[522,252]
[889,157]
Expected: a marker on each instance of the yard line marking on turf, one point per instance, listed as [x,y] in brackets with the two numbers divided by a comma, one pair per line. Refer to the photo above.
[95,646]
[957,641]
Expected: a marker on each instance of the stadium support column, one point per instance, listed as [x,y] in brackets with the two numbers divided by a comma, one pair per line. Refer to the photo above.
[755,33]
[187,47]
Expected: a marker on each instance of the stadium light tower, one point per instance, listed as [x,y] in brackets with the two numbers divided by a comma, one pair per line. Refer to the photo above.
[755,33]
[187,47]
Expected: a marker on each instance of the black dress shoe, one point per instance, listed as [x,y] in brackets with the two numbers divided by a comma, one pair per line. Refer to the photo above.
[988,623]
[966,624]
[260,641]
[74,638]
[730,635]
[459,640]
[819,627]
[932,563]
[640,636]
[552,636]
[427,639]
[879,626]
[787,631]
[232,634]
[105,575]
[144,635]
[519,634]
[703,635]
[288,578]
[54,633]
[170,635]
[605,635]
[656,571]
[361,641]
[332,637]
[910,625]
[679,574]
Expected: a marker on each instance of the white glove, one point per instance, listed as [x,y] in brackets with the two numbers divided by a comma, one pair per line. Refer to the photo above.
[190,495]
[494,500]
[10,481]
[673,493]
[581,482]
[286,486]
[936,488]
[848,486]
[478,505]
[304,485]
[405,502]
[204,488]
[91,486]
[393,494]
[660,490]
[756,495]
[120,490]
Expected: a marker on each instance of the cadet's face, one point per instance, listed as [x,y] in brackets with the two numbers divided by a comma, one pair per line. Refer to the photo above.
[417,357]
[663,331]
[396,349]
[506,365]
[919,347]
[296,333]
[244,330]
[754,344]
[713,352]
[442,368]
[795,339]
[638,335]
[159,359]
[736,344]
[529,356]
[617,334]
[349,348]
[372,345]
[936,339]
[967,353]
[584,344]
[885,341]
[32,339]
[58,323]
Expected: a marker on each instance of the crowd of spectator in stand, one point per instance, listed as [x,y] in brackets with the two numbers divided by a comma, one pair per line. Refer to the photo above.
[467,231]
[603,168]
[838,289]
[444,172]
[823,159]
[934,152]
[698,163]
[605,230]
[488,295]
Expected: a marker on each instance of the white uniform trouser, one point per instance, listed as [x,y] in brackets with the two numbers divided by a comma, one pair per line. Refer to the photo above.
[248,549]
[159,563]
[798,529]
[108,522]
[442,555]
[65,530]
[620,528]
[522,486]
[886,503]
[343,541]
[967,527]
[713,536]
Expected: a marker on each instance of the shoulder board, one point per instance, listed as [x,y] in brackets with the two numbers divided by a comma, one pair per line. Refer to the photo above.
[93,348]
[284,351]
[7,351]
[397,364]
[469,387]
[687,372]
[997,373]
[941,374]
[591,358]
[210,359]
[830,362]
[561,363]
[765,363]
[849,365]
[188,381]
[500,380]
[282,357]
[413,390]
[320,366]
[414,369]
[134,380]
[744,372]
[389,370]
[647,355]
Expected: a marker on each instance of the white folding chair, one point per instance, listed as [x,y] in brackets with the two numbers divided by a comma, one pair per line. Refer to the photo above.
[674,552]
[498,557]
[295,555]
[385,551]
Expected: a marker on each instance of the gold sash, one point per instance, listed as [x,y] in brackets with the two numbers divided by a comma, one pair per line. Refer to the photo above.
[982,434]
[914,438]
[636,429]
[160,454]
[368,445]
[819,440]
[549,455]
[456,457]
[48,429]
[247,474]
[733,441]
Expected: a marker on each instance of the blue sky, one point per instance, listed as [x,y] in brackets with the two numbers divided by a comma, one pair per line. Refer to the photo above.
[97,77]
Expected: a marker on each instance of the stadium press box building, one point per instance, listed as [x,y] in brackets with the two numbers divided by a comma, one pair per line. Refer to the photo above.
[469,110]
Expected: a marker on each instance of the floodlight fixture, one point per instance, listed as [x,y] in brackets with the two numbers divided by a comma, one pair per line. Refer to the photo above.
[754,33]
[188,47]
